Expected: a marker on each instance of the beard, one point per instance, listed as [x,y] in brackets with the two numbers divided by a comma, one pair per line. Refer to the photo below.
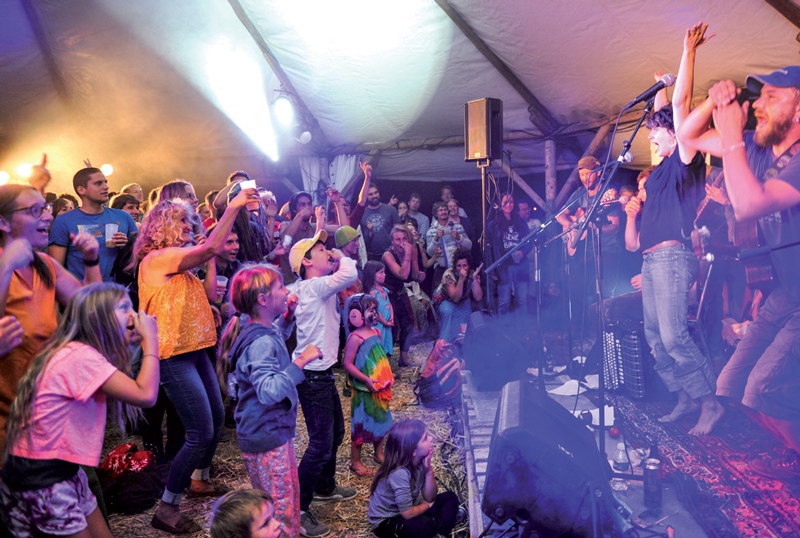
[775,131]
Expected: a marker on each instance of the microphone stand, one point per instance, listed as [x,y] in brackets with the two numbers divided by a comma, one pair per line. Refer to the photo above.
[537,273]
[601,321]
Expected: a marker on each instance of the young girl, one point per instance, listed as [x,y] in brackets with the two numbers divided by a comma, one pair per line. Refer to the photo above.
[245,513]
[57,421]
[366,363]
[374,277]
[403,497]
[266,414]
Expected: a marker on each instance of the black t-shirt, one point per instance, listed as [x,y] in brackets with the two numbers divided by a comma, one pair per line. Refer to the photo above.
[673,190]
[609,242]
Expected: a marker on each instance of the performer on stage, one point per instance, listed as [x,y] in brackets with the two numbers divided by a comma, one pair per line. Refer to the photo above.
[674,189]
[762,178]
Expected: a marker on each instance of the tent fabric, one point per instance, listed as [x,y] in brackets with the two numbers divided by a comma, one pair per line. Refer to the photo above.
[148,85]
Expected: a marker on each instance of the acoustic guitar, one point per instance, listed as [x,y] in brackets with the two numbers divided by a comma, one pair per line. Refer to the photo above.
[758,270]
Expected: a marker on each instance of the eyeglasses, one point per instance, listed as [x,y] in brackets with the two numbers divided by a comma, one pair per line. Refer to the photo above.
[35,211]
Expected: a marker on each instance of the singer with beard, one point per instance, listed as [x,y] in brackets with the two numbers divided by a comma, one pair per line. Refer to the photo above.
[674,189]
[762,178]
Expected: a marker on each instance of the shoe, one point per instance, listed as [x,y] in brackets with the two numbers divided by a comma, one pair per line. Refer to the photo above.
[183,526]
[224,435]
[461,515]
[347,392]
[787,470]
[310,527]
[218,491]
[338,494]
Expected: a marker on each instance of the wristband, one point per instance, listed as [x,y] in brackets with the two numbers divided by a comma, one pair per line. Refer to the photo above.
[92,263]
[150,355]
[733,148]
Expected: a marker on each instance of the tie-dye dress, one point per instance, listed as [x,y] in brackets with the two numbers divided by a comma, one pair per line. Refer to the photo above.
[370,417]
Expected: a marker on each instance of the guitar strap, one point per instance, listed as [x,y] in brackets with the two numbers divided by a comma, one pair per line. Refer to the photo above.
[781,162]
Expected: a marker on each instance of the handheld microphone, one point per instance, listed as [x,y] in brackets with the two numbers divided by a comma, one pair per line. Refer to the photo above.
[621,200]
[665,82]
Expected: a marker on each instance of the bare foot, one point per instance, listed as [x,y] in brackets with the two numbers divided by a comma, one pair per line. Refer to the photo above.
[685,406]
[358,469]
[710,413]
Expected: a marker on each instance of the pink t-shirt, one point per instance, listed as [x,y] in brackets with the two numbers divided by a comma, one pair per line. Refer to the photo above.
[69,415]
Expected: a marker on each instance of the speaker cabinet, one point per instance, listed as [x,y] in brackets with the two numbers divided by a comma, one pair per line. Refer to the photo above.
[545,470]
[483,129]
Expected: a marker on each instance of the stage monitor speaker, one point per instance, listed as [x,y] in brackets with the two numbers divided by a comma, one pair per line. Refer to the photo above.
[545,470]
[491,355]
[483,129]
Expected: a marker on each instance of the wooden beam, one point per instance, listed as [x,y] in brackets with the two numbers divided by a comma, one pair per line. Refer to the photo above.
[789,10]
[573,177]
[525,187]
[49,57]
[288,184]
[318,137]
[373,159]
[550,172]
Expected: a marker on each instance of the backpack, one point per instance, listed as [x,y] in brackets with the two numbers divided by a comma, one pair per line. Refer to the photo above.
[439,383]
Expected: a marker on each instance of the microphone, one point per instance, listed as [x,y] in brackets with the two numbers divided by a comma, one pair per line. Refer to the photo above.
[621,200]
[665,82]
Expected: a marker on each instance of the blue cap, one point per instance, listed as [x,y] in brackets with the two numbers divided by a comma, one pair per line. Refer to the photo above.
[788,77]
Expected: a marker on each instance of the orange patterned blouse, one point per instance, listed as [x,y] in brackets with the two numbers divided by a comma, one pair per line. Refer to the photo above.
[185,321]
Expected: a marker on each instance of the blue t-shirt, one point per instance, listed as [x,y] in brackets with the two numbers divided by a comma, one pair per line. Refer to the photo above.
[77,221]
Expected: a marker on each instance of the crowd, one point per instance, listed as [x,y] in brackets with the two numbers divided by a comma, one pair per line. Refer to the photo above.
[235,307]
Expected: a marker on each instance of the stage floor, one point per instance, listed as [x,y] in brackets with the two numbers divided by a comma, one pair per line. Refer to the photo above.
[479,409]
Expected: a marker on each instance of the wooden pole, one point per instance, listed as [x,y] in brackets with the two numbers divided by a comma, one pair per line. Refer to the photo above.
[573,177]
[525,187]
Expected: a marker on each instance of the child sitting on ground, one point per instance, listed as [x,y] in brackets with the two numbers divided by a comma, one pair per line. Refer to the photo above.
[370,374]
[245,513]
[266,415]
[58,420]
[404,500]
[374,277]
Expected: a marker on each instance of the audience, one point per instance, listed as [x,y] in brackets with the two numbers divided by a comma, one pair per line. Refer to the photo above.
[461,284]
[377,224]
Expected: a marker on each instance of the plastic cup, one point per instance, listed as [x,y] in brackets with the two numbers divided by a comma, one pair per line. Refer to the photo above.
[111,229]
[222,284]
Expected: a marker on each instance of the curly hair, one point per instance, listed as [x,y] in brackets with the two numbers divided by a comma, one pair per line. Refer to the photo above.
[661,118]
[461,254]
[161,228]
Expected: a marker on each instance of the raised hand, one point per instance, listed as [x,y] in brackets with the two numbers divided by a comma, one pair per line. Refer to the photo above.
[40,176]
[723,92]
[319,214]
[729,121]
[333,194]
[17,255]
[272,209]
[367,169]
[477,272]
[695,36]
[393,200]
[147,328]
[87,245]
[291,304]
[244,197]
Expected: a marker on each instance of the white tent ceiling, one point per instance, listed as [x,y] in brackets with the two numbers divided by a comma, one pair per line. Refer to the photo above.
[166,89]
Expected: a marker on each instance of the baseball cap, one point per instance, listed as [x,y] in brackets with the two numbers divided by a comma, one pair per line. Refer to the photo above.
[782,78]
[301,247]
[588,162]
[344,235]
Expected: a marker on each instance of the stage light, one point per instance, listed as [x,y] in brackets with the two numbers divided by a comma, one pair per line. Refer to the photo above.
[284,110]
[4,177]
[107,169]
[24,170]
[305,138]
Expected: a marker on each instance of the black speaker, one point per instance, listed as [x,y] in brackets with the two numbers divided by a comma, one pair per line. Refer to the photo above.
[491,355]
[545,470]
[483,129]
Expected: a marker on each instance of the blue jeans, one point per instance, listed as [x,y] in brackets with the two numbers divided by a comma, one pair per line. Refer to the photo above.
[453,316]
[322,410]
[764,372]
[667,275]
[515,275]
[191,385]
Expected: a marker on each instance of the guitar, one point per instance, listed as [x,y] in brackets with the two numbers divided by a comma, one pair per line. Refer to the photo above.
[758,270]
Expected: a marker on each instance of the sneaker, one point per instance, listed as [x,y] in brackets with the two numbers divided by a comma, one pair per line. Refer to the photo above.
[310,527]
[338,494]
[786,470]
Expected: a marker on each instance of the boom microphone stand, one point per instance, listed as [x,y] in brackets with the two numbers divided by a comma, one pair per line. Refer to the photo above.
[601,321]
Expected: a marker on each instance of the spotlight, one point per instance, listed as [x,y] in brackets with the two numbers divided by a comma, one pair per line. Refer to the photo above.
[305,138]
[284,111]
[107,169]
[4,177]
[24,170]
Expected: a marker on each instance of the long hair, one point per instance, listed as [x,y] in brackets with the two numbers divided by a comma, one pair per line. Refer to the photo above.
[161,228]
[371,268]
[175,191]
[8,203]
[251,246]
[401,442]
[247,284]
[89,319]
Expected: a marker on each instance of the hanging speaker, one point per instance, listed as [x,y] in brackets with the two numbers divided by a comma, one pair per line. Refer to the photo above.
[483,129]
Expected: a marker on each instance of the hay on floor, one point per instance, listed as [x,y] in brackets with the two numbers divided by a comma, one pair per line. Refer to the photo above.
[347,519]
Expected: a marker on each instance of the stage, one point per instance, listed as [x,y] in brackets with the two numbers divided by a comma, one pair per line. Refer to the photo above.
[479,409]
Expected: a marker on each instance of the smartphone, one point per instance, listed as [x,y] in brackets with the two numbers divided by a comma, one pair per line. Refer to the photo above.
[248,184]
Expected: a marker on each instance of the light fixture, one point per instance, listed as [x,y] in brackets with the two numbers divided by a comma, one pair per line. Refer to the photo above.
[284,109]
[24,170]
[305,137]
[107,169]
[4,177]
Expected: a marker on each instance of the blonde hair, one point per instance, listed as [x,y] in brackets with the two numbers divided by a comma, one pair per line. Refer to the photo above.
[161,228]
[89,319]
[247,284]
